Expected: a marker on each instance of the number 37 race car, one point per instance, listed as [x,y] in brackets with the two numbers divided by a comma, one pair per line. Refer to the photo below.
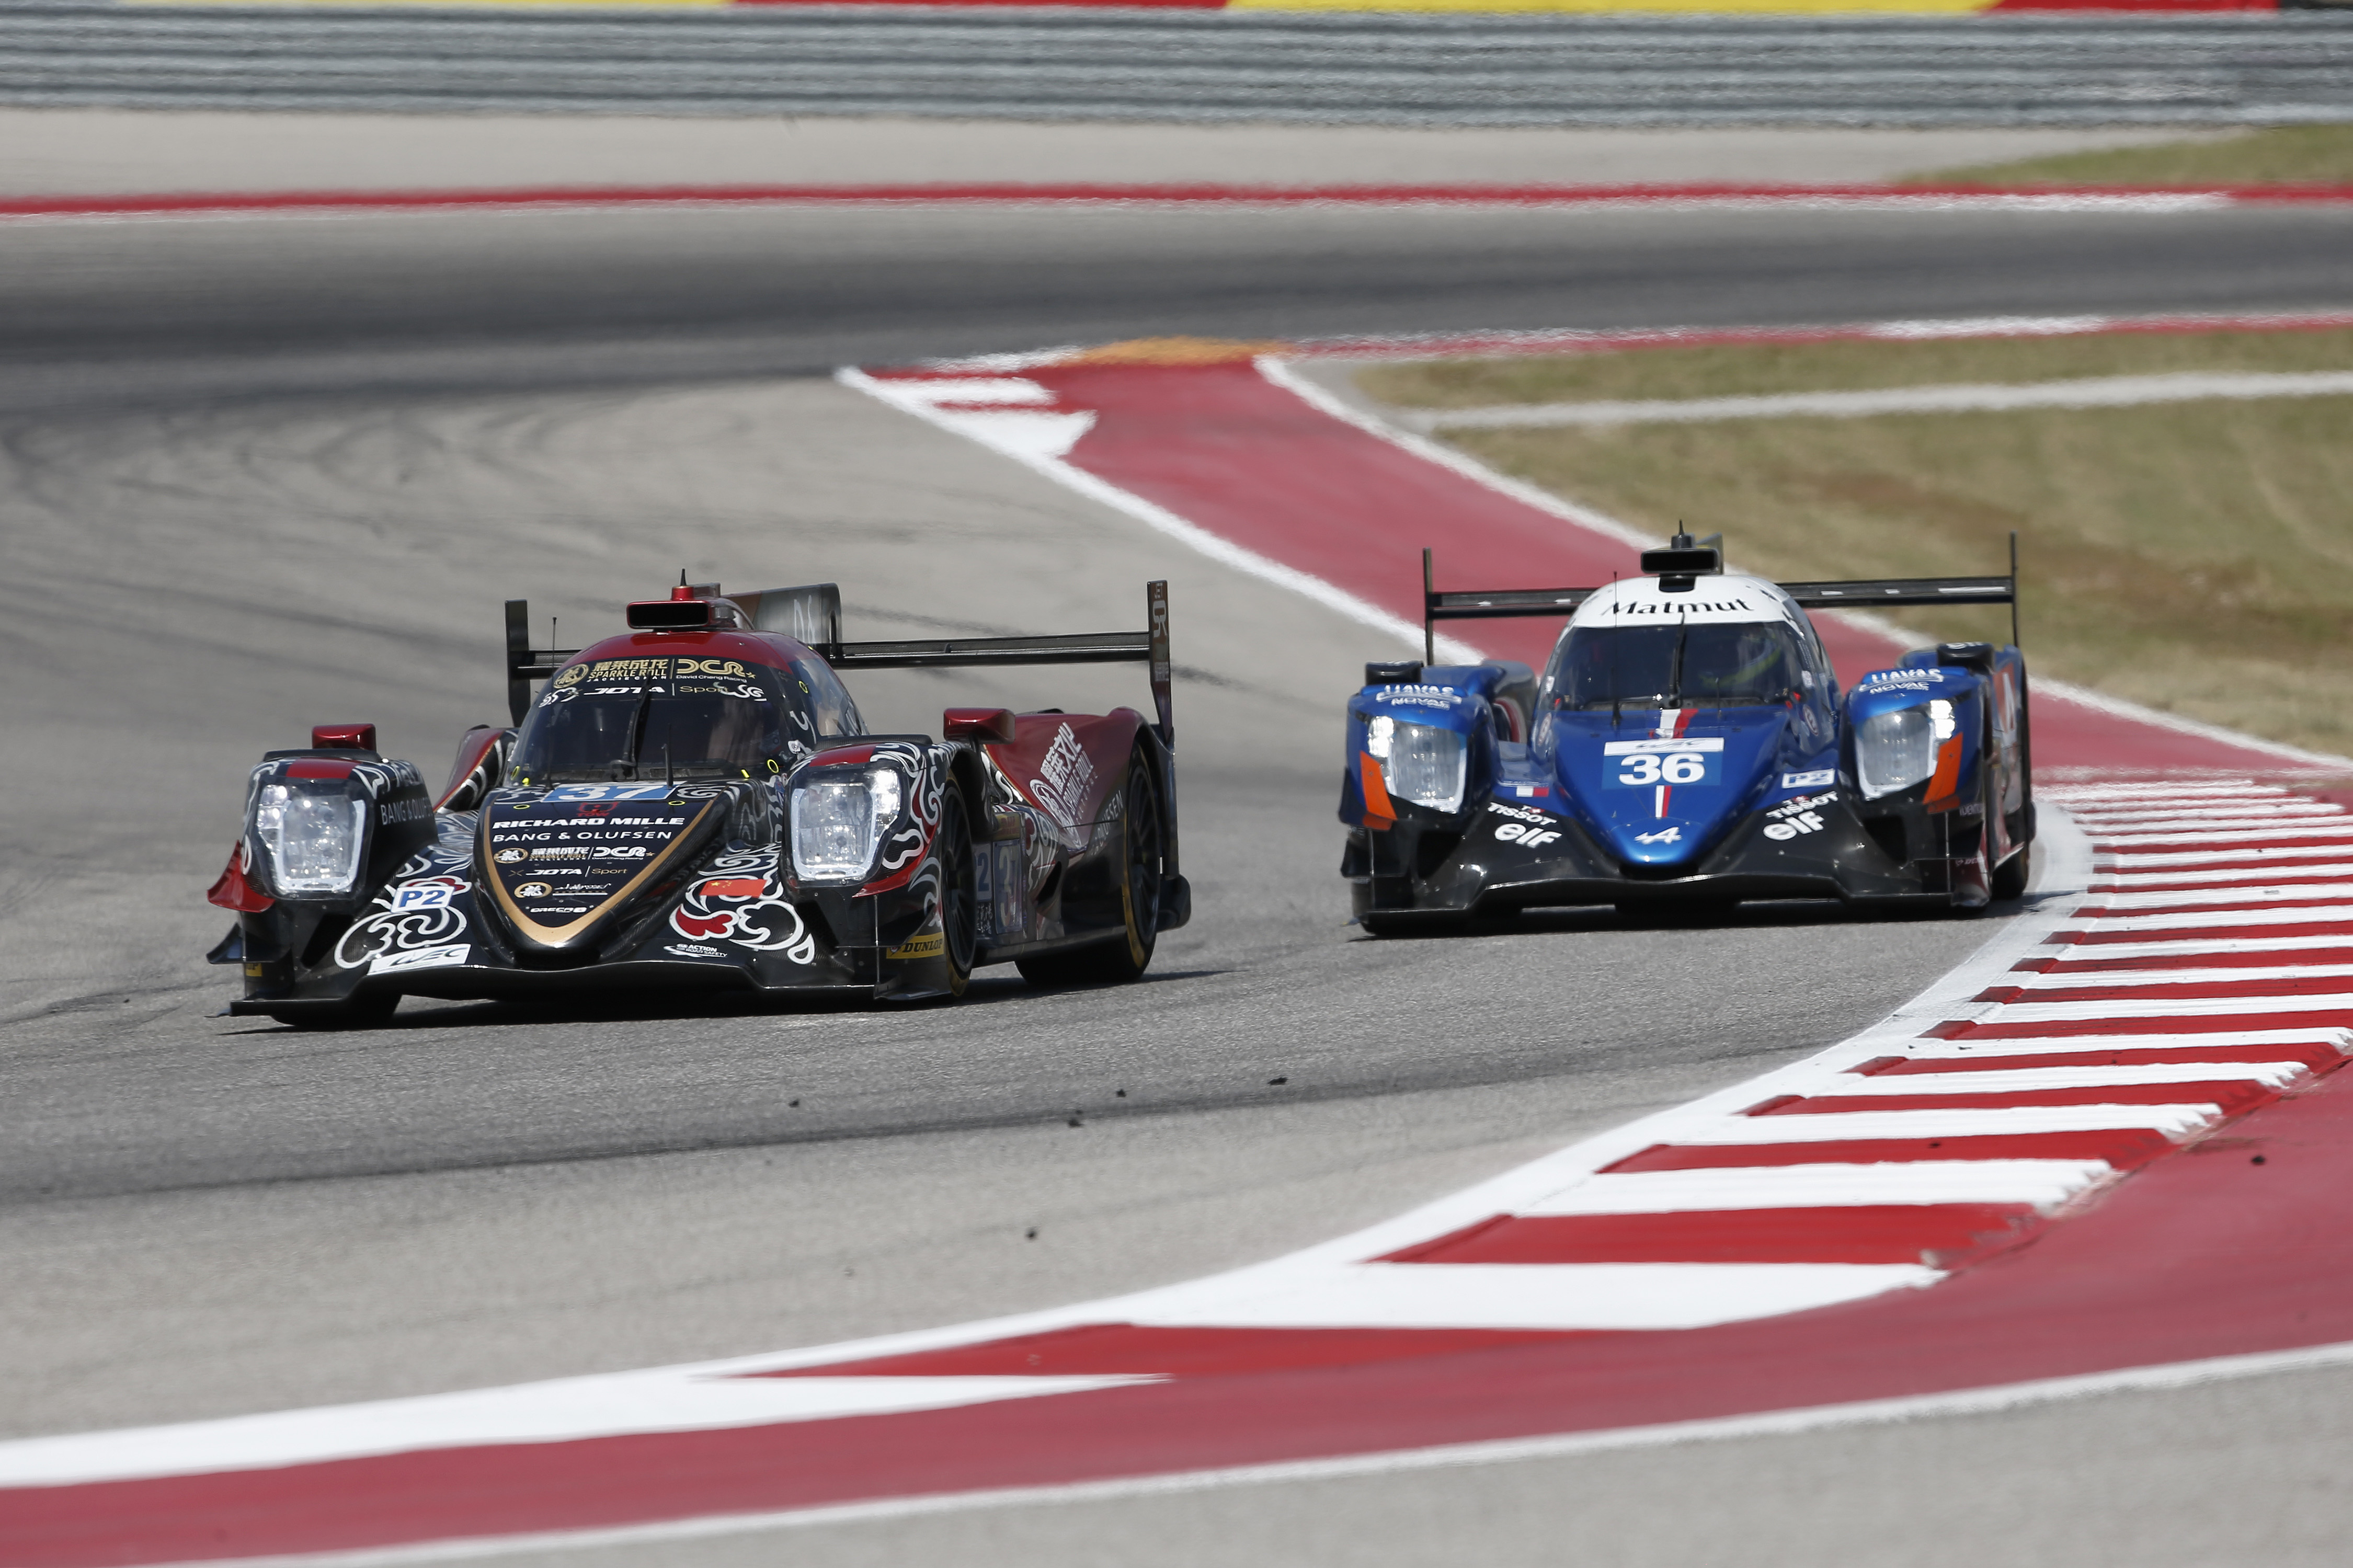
[1687,744]
[696,804]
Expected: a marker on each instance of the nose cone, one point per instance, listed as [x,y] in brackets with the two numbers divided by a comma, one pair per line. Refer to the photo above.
[1660,799]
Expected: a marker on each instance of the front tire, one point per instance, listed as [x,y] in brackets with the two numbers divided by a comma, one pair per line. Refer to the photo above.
[959,899]
[1123,958]
[2010,878]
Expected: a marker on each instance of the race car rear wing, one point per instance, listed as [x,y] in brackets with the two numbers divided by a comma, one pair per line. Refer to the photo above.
[1685,560]
[812,615]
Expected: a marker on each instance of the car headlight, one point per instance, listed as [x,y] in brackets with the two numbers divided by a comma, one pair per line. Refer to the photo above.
[1424,764]
[1895,749]
[312,842]
[838,821]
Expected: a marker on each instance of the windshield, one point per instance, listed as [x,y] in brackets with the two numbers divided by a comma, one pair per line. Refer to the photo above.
[1707,665]
[640,718]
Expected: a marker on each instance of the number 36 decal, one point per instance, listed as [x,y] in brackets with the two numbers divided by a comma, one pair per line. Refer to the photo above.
[1639,764]
[1672,767]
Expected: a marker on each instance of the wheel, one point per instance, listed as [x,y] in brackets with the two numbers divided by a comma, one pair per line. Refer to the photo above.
[2010,878]
[959,901]
[1972,876]
[1125,956]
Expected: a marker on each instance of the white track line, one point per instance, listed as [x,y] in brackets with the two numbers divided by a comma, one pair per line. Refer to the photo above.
[2094,818]
[2044,1184]
[2092,392]
[2207,822]
[2113,862]
[670,1399]
[2055,1011]
[2088,952]
[2226,876]
[2176,1121]
[2316,914]
[1533,1296]
[2089,794]
[2220,898]
[2113,843]
[2338,1040]
[2066,980]
[2029,1080]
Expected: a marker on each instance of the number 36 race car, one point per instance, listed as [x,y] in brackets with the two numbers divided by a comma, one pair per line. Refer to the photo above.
[697,804]
[1688,743]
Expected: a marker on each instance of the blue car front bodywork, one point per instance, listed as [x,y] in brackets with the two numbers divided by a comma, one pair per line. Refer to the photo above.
[1650,806]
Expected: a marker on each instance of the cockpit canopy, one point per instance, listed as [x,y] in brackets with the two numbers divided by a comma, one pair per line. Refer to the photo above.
[1697,664]
[670,717]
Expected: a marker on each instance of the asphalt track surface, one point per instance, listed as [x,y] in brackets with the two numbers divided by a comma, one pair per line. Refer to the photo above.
[256,475]
[199,311]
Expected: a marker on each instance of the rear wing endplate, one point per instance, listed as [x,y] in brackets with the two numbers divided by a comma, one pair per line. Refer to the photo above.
[812,615]
[1479,605]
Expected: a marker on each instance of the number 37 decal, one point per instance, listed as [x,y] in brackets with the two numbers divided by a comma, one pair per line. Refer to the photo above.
[1639,764]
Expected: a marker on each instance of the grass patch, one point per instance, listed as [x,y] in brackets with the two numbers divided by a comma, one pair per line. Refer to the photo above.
[1744,370]
[2286,155]
[2196,557]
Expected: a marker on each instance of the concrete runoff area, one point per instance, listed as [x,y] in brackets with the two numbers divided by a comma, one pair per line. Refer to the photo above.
[79,152]
[206,1215]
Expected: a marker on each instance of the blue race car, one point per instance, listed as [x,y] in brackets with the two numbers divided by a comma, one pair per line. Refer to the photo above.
[1688,744]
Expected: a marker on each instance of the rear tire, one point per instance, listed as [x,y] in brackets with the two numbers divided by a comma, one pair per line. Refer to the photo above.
[1125,957]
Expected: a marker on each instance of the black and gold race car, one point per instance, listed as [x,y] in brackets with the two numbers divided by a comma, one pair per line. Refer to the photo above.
[695,803]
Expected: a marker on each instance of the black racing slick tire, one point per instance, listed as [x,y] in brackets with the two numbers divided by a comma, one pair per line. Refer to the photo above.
[1981,871]
[1143,849]
[2010,878]
[959,896]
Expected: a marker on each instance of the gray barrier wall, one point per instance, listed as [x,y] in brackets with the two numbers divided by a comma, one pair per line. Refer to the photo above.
[2060,69]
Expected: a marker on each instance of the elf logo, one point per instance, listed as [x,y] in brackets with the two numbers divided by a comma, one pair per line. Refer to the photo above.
[1527,838]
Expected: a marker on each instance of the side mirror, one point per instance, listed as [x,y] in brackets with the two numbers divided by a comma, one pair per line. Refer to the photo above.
[982,725]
